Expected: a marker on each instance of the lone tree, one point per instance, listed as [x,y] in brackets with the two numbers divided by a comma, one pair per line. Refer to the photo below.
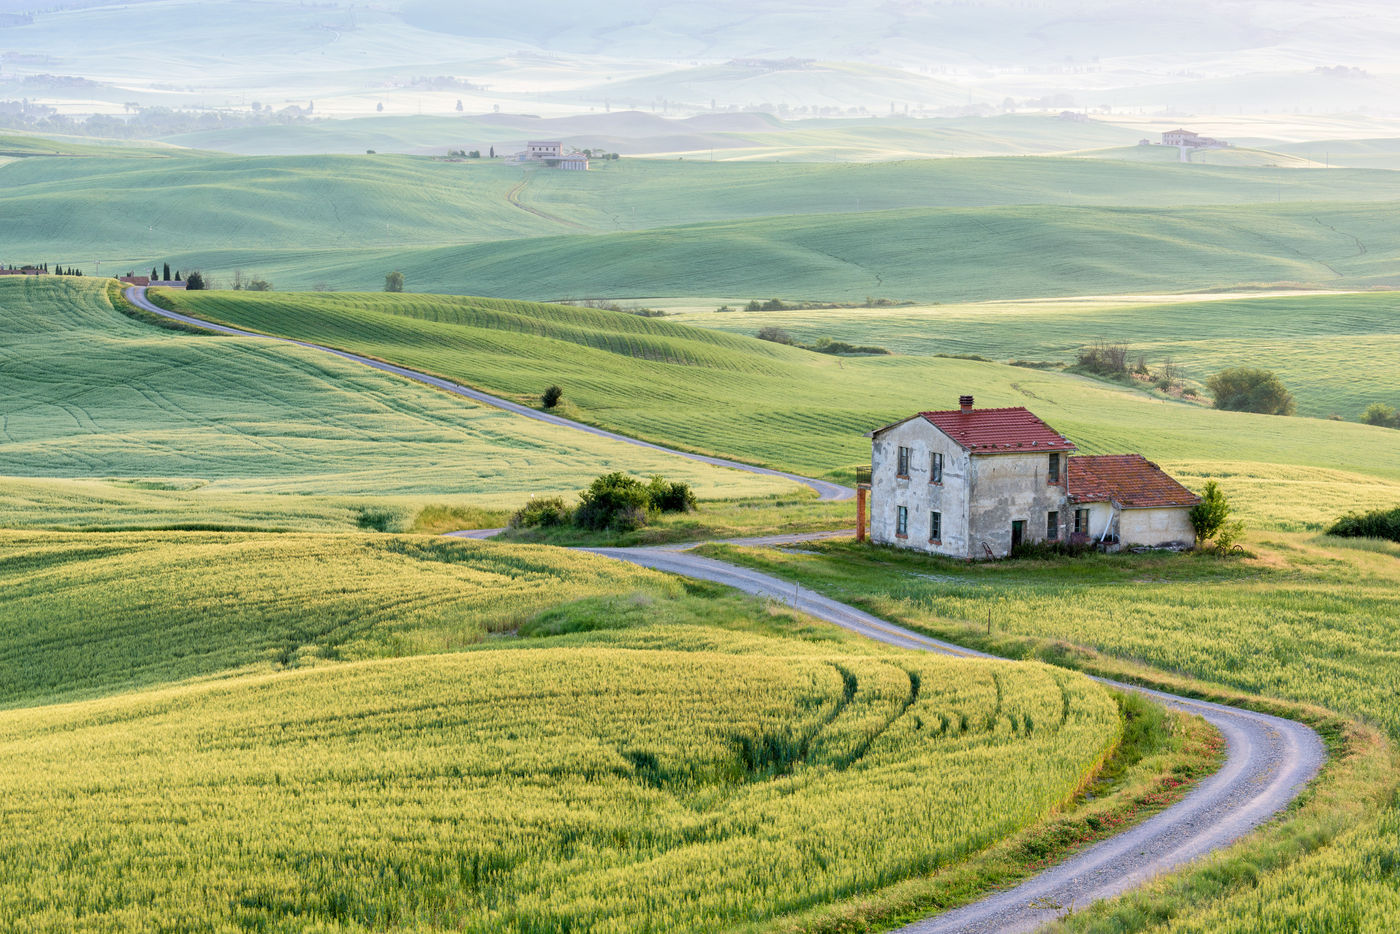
[551,397]
[194,282]
[1381,415]
[166,277]
[393,282]
[1211,518]
[1244,389]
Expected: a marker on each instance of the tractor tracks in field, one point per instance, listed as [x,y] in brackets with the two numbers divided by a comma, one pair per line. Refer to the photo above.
[1269,760]
[513,196]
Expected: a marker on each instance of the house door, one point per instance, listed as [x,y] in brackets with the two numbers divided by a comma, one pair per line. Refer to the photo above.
[1018,532]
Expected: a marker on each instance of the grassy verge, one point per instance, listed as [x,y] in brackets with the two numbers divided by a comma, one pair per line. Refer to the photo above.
[712,519]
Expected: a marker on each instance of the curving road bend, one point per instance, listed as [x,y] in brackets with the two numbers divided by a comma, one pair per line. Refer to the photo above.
[1269,760]
[825,489]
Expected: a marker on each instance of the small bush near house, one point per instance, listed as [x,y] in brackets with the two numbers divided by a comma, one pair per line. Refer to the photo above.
[1379,523]
[552,396]
[1211,519]
[549,512]
[670,495]
[1244,389]
[614,501]
[1381,415]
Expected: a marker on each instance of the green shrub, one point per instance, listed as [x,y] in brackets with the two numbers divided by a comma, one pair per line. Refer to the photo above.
[1381,415]
[1379,523]
[545,513]
[551,396]
[375,518]
[1104,358]
[614,501]
[1244,389]
[670,495]
[776,335]
[1211,518]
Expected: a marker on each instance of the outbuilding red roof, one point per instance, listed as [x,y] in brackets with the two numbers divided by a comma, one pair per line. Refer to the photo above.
[1129,480]
[999,431]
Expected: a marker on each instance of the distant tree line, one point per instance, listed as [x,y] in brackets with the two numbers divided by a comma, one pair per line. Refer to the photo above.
[821,345]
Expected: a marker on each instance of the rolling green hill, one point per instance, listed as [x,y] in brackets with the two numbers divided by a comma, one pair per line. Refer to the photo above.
[782,406]
[921,229]
[94,395]
[943,255]
[1337,353]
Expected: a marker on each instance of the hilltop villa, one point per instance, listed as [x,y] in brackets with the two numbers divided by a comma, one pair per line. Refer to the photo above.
[975,483]
[551,153]
[1191,140]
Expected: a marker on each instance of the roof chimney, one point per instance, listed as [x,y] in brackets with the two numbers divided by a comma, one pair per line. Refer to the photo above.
[966,403]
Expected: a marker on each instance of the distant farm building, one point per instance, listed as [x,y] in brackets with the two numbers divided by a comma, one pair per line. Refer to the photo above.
[974,483]
[1191,140]
[23,271]
[134,279]
[551,153]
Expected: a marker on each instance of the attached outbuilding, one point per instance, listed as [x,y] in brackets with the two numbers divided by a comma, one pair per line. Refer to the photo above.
[1127,499]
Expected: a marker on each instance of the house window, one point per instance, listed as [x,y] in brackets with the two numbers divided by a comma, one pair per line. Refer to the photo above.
[1081,522]
[1054,468]
[901,522]
[903,470]
[935,527]
[935,469]
[1052,525]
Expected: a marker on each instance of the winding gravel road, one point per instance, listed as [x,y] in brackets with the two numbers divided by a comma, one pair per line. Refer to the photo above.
[825,490]
[1268,759]
[1268,762]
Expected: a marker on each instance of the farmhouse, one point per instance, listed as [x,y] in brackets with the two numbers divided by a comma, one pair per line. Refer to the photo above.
[976,483]
[551,153]
[1191,140]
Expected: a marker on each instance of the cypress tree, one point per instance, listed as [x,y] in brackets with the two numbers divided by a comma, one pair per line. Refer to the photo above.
[166,277]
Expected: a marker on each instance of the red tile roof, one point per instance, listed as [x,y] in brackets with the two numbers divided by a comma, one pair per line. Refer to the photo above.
[999,431]
[1129,480]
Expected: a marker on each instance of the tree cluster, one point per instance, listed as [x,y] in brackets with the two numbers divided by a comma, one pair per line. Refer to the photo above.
[1381,415]
[1245,389]
[616,502]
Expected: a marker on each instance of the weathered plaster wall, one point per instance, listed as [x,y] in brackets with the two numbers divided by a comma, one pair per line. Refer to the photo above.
[1100,514]
[1163,526]
[1007,487]
[917,493]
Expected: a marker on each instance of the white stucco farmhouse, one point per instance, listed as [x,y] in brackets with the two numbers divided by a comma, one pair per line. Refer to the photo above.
[975,483]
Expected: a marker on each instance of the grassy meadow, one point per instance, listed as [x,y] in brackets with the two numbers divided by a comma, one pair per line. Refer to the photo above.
[620,750]
[1337,353]
[101,405]
[785,407]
